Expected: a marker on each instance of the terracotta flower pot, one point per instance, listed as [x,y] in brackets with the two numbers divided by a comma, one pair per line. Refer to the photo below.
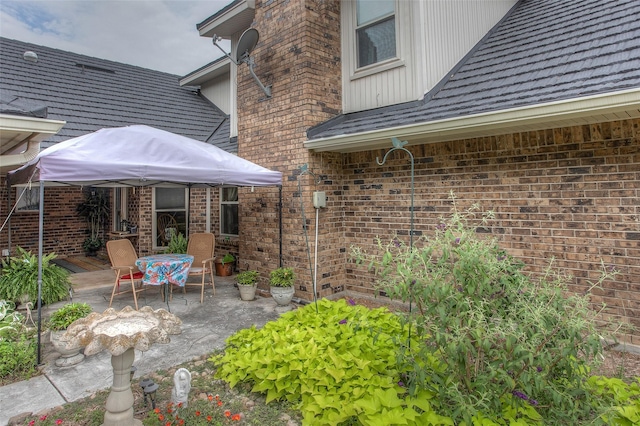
[224,269]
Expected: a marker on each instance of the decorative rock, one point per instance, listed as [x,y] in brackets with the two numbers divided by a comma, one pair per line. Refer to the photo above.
[181,387]
[19,419]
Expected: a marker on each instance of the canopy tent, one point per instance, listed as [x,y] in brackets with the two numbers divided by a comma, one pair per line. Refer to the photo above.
[136,156]
[140,156]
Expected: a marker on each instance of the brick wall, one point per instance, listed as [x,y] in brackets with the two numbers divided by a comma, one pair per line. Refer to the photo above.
[297,55]
[572,194]
[65,231]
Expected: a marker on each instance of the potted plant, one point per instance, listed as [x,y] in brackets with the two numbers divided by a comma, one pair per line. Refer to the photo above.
[19,279]
[177,244]
[224,266]
[95,210]
[60,319]
[281,282]
[247,284]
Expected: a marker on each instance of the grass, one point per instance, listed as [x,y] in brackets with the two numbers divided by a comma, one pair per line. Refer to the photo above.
[89,411]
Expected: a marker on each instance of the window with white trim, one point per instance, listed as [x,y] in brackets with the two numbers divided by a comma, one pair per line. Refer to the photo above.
[120,212]
[229,225]
[169,214]
[375,31]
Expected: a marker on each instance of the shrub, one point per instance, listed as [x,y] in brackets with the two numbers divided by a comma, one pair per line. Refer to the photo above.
[507,346]
[17,358]
[17,346]
[20,277]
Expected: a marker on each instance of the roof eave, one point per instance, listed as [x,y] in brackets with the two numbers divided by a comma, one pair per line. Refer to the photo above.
[213,70]
[571,112]
[230,21]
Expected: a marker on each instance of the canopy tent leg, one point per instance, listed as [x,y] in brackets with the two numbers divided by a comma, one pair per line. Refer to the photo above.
[40,250]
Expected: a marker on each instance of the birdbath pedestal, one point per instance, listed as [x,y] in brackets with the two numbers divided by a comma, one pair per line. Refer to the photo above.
[120,332]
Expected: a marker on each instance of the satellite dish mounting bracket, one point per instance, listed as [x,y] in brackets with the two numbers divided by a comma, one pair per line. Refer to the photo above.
[246,43]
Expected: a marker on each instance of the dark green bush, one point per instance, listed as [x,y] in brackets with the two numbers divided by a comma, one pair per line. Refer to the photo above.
[20,276]
[501,338]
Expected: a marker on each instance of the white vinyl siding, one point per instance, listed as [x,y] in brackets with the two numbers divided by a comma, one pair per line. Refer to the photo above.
[432,37]
[218,91]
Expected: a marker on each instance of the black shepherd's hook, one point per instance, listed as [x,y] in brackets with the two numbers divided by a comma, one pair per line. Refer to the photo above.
[399,145]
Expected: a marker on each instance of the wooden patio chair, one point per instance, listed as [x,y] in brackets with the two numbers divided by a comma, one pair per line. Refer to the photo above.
[123,256]
[201,246]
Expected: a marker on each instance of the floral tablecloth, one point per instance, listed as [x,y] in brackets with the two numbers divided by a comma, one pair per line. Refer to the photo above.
[162,269]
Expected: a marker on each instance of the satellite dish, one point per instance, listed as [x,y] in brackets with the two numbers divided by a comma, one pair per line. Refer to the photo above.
[246,43]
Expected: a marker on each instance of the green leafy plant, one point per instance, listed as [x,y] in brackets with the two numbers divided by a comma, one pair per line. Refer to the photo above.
[507,346]
[92,244]
[177,244]
[63,317]
[247,278]
[95,210]
[228,258]
[337,364]
[619,400]
[282,277]
[17,346]
[10,321]
[20,277]
[18,357]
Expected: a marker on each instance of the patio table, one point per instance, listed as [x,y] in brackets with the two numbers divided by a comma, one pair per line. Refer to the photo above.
[165,269]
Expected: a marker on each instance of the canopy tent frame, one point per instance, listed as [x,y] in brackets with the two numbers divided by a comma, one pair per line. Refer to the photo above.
[136,156]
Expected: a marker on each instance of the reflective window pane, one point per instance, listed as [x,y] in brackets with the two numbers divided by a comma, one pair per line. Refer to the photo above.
[371,10]
[376,42]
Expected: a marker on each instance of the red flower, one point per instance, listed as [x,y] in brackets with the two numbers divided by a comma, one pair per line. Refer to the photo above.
[210,397]
[160,417]
[219,403]
[180,405]
[32,422]
[167,424]
[157,411]
[59,421]
[198,413]
[209,418]
[235,417]
[169,410]
[227,413]
[181,422]
[43,418]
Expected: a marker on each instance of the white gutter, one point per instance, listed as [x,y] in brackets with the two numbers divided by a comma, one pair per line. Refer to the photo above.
[18,123]
[578,111]
[15,131]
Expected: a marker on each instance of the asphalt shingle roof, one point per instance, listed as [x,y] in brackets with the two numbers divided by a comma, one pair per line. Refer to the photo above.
[90,93]
[543,51]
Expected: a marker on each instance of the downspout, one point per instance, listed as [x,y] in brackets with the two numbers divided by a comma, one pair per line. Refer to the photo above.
[33,148]
[280,222]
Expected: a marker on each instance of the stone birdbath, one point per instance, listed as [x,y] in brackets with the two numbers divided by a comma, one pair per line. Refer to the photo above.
[120,332]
